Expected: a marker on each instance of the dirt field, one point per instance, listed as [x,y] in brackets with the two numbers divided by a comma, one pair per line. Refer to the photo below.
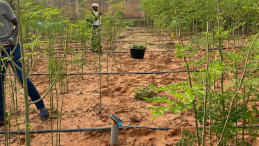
[81,104]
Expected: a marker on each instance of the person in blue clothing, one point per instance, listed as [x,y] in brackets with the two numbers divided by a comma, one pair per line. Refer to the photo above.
[8,38]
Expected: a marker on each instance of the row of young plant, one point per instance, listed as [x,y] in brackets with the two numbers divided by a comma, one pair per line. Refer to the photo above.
[44,32]
[197,13]
[227,84]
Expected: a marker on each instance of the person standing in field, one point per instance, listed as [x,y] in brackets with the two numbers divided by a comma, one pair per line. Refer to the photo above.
[96,27]
[8,38]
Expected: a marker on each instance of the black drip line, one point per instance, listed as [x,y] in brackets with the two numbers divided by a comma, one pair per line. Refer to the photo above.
[107,128]
[117,73]
[129,52]
[181,71]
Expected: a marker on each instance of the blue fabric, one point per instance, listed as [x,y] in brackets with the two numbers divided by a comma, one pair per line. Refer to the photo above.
[52,25]
[32,91]
[40,23]
[44,113]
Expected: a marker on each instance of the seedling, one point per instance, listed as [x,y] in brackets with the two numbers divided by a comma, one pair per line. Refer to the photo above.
[144,92]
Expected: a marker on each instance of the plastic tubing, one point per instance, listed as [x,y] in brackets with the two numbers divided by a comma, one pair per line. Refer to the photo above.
[116,73]
[114,133]
[114,52]
[146,51]
[84,129]
[35,74]
[105,128]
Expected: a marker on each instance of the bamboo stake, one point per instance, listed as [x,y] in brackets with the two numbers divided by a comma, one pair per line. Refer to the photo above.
[100,76]
[206,89]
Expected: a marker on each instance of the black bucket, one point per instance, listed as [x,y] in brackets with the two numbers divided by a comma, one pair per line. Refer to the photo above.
[137,53]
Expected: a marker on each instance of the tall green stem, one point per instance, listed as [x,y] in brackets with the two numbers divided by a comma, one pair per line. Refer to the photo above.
[221,59]
[234,97]
[206,89]
[25,87]
[236,74]
[244,121]
[189,77]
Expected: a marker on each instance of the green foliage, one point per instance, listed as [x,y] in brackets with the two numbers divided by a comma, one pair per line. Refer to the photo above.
[140,47]
[130,23]
[120,15]
[196,13]
[182,101]
[189,139]
[144,93]
[222,64]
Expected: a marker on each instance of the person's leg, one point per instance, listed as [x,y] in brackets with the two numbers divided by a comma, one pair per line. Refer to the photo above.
[92,41]
[2,77]
[95,39]
[32,91]
[98,40]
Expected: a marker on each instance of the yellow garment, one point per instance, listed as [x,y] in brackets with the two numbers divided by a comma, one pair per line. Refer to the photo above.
[172,35]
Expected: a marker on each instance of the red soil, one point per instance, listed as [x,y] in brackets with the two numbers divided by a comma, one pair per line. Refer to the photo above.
[81,107]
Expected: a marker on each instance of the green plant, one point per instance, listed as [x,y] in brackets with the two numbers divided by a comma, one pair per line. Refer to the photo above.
[211,92]
[144,93]
[189,139]
[130,23]
[139,47]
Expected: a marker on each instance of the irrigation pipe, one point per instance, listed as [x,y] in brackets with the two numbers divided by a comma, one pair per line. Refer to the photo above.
[112,52]
[133,41]
[241,126]
[116,73]
[121,72]
[105,128]
[146,51]
[129,41]
[38,74]
[84,129]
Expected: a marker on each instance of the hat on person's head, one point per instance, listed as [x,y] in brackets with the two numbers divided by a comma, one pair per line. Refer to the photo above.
[95,5]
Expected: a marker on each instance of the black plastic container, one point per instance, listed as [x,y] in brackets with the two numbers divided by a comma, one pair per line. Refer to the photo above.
[137,53]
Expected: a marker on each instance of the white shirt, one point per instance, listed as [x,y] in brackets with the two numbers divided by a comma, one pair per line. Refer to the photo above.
[98,21]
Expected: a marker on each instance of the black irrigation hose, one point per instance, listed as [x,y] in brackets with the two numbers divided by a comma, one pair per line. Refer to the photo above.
[112,52]
[130,41]
[138,35]
[146,51]
[121,72]
[247,126]
[103,128]
[135,41]
[84,129]
[117,73]
[146,41]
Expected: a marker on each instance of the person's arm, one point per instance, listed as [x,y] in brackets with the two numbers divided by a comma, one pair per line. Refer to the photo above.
[92,11]
[15,24]
[100,13]
[14,33]
[11,17]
